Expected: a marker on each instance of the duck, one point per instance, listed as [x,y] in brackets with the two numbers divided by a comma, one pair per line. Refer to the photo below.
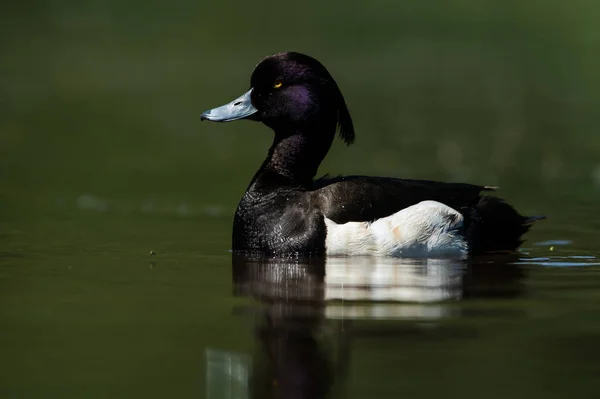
[287,211]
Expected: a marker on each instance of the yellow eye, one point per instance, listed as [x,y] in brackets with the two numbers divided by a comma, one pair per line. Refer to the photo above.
[278,84]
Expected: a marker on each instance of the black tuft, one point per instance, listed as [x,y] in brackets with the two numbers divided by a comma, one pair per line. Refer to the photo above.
[345,125]
[344,120]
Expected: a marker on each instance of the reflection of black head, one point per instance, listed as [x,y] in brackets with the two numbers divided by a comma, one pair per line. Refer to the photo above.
[293,362]
[296,364]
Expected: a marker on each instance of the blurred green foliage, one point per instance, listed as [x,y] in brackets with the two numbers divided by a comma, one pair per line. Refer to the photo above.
[105,96]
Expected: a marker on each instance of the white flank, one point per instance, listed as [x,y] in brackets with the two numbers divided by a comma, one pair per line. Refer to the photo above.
[391,279]
[427,229]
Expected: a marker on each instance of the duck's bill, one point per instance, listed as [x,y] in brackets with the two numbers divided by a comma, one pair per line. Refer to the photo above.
[239,108]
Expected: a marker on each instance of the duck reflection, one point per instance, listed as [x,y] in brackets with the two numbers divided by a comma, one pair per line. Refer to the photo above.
[308,309]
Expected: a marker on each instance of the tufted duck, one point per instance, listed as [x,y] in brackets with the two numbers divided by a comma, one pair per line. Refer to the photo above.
[285,211]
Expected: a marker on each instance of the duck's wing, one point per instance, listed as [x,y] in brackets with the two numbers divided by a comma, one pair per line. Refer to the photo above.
[490,223]
[363,198]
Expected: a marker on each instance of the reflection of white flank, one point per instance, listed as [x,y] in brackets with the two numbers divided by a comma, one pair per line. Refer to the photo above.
[389,311]
[359,287]
[381,279]
[417,285]
[427,229]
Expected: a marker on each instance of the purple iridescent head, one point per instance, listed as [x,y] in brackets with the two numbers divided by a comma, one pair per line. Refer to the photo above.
[290,92]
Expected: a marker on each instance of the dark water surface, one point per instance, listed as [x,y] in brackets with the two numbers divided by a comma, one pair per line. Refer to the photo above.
[116,203]
[93,314]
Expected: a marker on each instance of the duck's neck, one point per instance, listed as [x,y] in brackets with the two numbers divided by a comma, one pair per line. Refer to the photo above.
[295,156]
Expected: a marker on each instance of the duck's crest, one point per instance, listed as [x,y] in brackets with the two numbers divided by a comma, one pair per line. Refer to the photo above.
[345,127]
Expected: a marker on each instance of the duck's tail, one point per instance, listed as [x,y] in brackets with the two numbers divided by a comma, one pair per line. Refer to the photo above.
[494,225]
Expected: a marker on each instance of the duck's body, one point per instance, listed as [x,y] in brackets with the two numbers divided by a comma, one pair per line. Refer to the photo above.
[285,211]
[340,216]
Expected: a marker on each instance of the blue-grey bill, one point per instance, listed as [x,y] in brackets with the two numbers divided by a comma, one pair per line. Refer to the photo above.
[239,108]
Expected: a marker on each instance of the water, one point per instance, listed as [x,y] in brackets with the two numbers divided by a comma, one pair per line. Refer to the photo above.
[116,203]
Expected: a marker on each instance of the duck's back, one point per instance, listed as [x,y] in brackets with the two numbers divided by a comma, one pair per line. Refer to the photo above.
[366,198]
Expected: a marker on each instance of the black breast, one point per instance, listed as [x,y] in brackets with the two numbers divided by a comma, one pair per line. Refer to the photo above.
[278,222]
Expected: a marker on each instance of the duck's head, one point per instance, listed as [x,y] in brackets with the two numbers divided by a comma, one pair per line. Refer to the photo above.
[290,92]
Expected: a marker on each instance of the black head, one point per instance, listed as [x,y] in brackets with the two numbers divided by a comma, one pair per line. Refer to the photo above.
[290,91]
